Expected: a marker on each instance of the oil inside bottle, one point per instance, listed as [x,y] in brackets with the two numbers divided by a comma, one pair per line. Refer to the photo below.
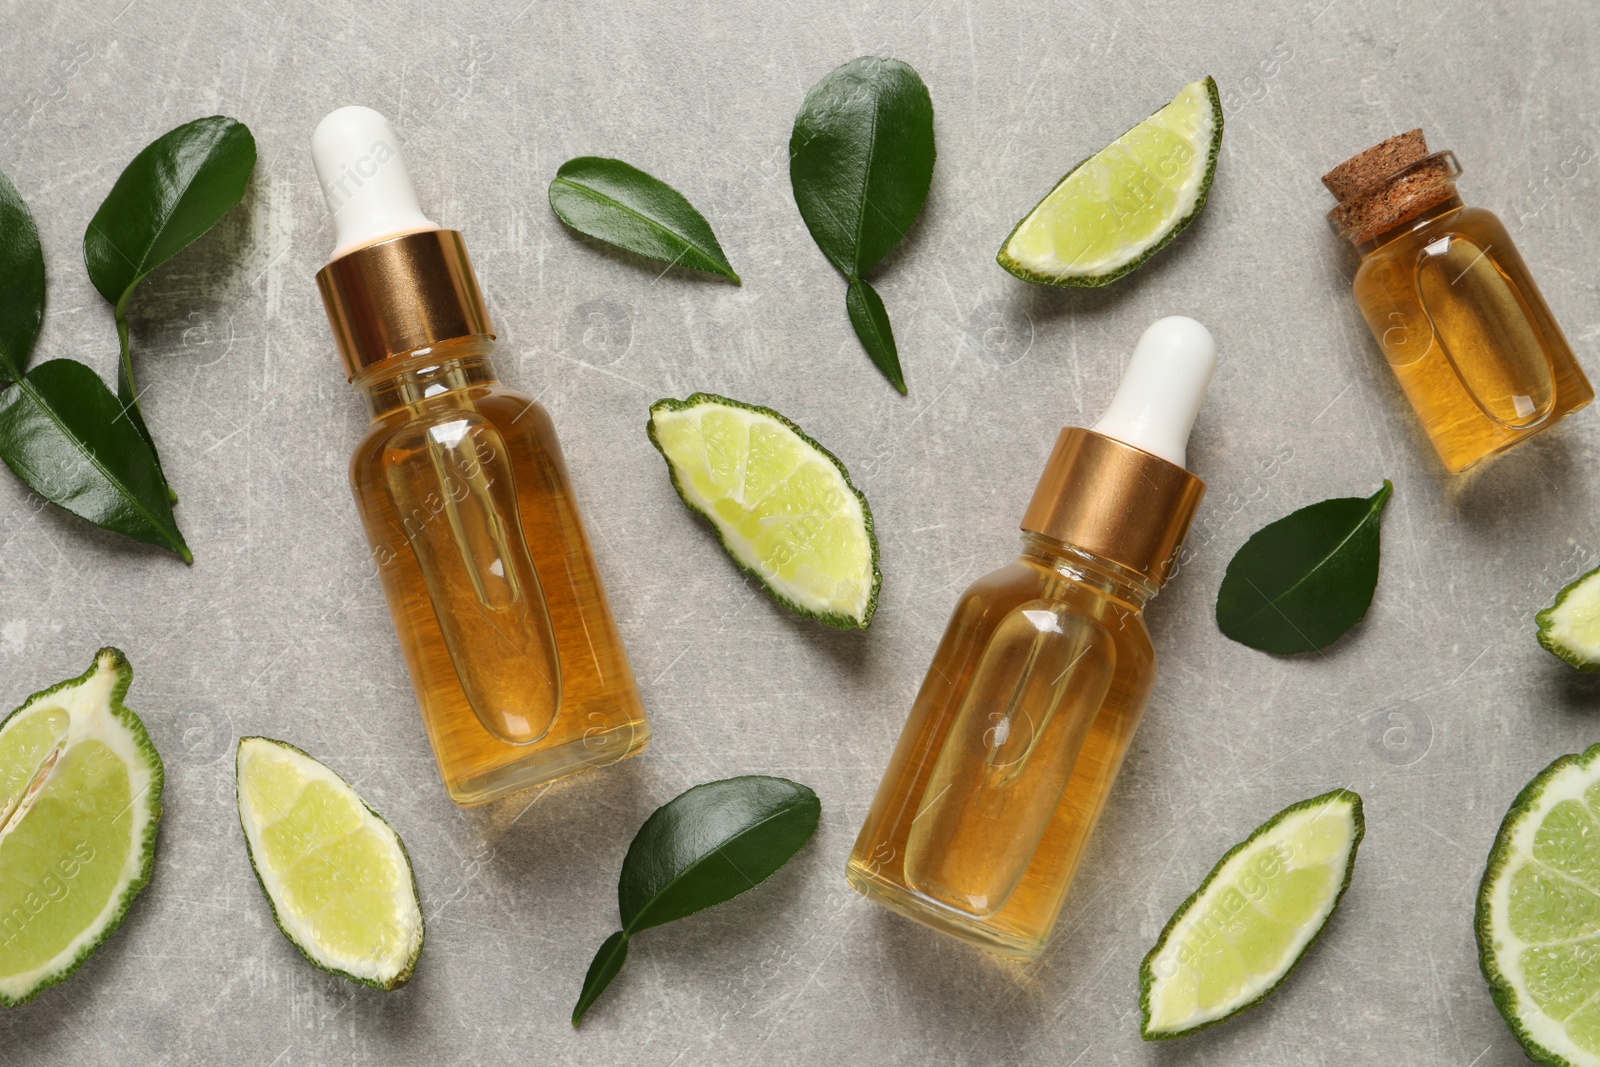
[450,479]
[1485,331]
[1468,334]
[1451,303]
[1032,698]
[1010,751]
[513,652]
[1012,748]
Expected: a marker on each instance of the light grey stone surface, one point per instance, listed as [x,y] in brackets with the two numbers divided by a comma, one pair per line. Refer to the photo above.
[1437,708]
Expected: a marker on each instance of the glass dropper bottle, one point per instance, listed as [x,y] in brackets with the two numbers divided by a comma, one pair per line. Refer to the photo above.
[1033,696]
[512,649]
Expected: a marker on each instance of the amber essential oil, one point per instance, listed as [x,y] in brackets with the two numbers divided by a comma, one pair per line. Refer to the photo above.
[1011,749]
[1032,698]
[516,661]
[515,658]
[1452,305]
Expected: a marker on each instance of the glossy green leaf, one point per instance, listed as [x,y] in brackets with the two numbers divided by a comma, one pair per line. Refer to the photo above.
[21,283]
[61,430]
[861,162]
[700,849]
[622,205]
[64,434]
[1301,583]
[173,191]
[711,844]
[871,320]
[602,969]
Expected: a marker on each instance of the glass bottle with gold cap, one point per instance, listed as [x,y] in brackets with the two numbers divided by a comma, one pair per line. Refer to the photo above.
[513,652]
[1451,304]
[1042,675]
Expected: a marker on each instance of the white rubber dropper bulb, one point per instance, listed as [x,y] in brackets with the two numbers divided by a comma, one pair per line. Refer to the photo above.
[364,179]
[1160,394]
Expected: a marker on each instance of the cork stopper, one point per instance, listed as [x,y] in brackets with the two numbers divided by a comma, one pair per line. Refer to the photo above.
[1390,182]
[1376,163]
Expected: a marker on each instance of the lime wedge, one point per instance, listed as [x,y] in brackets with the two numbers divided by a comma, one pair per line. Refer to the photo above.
[1240,934]
[1570,628]
[80,800]
[782,505]
[1539,913]
[337,877]
[1123,204]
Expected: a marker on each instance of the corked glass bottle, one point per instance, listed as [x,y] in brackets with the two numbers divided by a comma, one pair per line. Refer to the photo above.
[1451,303]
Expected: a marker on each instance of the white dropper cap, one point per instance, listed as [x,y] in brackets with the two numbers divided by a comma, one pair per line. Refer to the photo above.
[1160,394]
[364,179]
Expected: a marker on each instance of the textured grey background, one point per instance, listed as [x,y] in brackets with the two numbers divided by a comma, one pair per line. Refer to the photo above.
[1436,709]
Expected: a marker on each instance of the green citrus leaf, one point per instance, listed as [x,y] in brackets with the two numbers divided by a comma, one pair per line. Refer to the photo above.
[21,283]
[1301,583]
[173,192]
[622,205]
[65,435]
[605,966]
[711,844]
[61,430]
[861,162]
[871,320]
[704,847]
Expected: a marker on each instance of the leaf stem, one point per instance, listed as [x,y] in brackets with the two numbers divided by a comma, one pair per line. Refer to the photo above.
[128,393]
